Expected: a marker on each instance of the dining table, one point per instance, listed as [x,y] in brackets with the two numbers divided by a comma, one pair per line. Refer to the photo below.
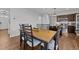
[45,36]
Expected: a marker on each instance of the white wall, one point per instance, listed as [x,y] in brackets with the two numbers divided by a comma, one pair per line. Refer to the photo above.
[53,20]
[23,15]
[20,15]
[4,20]
[45,19]
[66,12]
[4,23]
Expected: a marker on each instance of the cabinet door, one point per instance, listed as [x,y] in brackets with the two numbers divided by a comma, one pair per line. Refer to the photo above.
[77,22]
[62,18]
[71,17]
[71,29]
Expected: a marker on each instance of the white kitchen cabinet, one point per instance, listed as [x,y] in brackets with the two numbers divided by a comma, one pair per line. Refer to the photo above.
[77,24]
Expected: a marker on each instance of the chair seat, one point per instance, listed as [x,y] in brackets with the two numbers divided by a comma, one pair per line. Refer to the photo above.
[51,45]
[35,43]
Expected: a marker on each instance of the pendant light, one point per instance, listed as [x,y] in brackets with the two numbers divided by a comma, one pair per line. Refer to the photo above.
[54,12]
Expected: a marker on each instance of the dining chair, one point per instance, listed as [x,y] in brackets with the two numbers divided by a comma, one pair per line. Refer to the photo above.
[57,38]
[54,43]
[29,39]
[61,31]
[50,45]
[21,34]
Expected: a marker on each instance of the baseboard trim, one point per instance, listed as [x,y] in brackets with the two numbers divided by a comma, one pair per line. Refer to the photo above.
[3,29]
[14,37]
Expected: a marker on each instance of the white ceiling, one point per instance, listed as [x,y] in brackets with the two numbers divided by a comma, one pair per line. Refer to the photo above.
[51,11]
[57,11]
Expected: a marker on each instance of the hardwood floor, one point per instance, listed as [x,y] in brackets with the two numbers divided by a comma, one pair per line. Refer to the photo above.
[7,43]
[67,42]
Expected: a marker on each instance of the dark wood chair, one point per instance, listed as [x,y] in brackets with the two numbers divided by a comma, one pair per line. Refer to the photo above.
[29,39]
[21,34]
[57,38]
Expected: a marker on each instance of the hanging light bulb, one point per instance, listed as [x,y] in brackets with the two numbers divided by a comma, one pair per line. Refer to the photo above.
[54,12]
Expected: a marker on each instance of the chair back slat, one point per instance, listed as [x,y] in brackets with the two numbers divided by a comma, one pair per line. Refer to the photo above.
[21,30]
[28,36]
[27,29]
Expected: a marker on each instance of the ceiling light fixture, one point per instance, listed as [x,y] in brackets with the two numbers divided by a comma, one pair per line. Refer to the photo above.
[54,12]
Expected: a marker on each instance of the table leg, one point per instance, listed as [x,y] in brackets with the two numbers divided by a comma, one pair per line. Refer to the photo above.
[45,46]
[55,43]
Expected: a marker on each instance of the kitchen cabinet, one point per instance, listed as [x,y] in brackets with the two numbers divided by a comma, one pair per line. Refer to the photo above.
[77,24]
[71,29]
[70,17]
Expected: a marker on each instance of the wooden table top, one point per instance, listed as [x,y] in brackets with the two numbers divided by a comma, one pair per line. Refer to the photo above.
[44,35]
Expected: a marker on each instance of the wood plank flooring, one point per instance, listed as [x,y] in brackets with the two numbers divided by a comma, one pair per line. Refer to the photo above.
[7,43]
[67,42]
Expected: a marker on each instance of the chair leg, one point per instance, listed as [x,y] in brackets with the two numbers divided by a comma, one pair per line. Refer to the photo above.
[24,44]
[32,47]
[55,45]
[20,42]
[45,46]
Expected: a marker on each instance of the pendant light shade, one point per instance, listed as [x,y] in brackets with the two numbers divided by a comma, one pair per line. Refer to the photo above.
[54,12]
